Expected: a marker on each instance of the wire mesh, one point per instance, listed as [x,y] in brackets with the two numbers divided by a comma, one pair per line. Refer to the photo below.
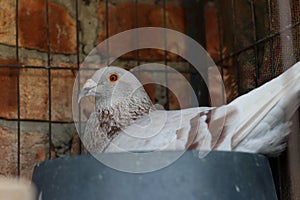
[18,92]
[193,23]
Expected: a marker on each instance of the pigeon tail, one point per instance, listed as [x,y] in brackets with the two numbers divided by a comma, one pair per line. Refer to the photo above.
[262,115]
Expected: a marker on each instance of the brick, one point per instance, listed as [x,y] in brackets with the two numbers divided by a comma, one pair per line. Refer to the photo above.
[122,17]
[32,27]
[34,149]
[34,144]
[31,146]
[62,89]
[180,90]
[212,33]
[8,22]
[34,94]
[75,147]
[150,88]
[8,90]
[8,155]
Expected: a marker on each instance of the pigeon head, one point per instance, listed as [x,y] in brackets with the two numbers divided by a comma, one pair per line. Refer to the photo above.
[112,85]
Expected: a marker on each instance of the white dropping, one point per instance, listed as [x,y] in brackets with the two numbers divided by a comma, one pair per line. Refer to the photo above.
[237,188]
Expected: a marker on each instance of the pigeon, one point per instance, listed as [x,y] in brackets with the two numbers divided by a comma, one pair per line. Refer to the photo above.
[125,119]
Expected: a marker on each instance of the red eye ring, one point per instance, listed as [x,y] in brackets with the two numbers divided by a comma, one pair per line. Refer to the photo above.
[113,77]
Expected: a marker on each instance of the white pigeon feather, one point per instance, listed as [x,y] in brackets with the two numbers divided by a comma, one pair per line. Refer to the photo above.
[124,118]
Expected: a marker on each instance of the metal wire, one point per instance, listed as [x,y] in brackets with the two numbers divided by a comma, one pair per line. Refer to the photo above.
[221,54]
[18,92]
[167,104]
[78,66]
[107,31]
[137,35]
[271,39]
[260,41]
[37,67]
[254,32]
[234,43]
[49,78]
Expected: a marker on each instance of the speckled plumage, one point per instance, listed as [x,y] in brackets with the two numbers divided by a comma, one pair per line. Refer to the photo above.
[105,122]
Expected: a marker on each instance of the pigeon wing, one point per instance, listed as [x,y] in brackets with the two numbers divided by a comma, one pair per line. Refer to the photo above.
[165,130]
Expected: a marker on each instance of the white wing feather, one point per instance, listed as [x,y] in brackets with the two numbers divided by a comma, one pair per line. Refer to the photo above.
[255,122]
[174,133]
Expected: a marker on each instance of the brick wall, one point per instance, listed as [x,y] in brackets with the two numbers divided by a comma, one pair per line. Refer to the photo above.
[62,51]
[33,52]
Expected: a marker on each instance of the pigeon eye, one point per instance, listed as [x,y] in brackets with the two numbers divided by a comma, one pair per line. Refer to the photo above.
[113,77]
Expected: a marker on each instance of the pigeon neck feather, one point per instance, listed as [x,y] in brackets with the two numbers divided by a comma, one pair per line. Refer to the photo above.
[117,116]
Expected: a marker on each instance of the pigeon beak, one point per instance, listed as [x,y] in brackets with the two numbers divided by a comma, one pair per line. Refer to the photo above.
[89,89]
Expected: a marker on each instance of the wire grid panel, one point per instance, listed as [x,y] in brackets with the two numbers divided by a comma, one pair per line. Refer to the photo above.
[252,39]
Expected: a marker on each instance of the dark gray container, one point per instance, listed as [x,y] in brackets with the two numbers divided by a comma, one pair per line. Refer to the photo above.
[220,175]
